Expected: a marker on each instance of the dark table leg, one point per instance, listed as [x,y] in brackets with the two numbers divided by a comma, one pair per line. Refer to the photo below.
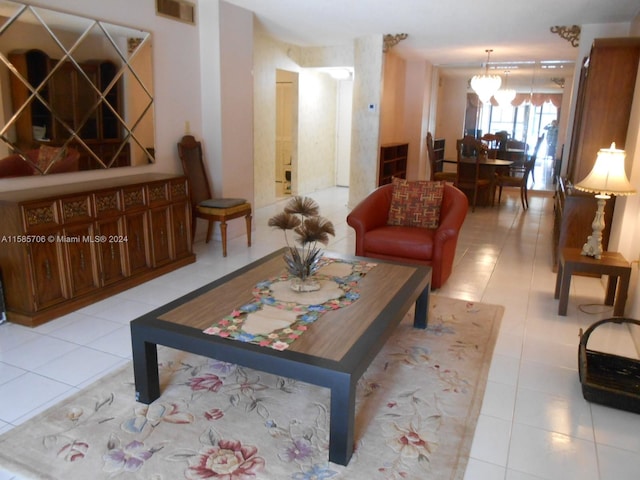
[145,368]
[612,284]
[422,309]
[342,420]
[559,279]
[564,272]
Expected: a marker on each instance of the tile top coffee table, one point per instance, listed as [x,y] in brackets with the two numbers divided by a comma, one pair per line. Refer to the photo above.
[334,352]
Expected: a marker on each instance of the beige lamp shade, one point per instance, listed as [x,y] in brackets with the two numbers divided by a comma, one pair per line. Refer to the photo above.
[608,175]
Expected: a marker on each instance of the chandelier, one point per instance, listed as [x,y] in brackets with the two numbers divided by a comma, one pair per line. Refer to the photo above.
[486,85]
[505,95]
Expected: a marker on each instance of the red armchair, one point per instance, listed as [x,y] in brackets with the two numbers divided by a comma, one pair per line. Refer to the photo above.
[433,247]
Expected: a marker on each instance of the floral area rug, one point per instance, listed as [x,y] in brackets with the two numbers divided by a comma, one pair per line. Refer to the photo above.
[417,407]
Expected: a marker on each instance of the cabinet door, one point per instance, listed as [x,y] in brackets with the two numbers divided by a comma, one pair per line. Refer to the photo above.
[81,259]
[46,269]
[137,242]
[180,215]
[110,250]
[159,229]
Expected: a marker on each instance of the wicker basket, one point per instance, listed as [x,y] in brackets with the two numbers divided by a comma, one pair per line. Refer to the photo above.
[609,379]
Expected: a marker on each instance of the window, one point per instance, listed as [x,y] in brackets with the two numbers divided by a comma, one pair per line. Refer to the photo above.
[523,122]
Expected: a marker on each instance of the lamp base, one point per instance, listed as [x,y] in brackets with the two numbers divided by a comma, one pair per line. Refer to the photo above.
[593,247]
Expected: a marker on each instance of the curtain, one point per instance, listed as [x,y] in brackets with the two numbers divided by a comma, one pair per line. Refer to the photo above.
[536,99]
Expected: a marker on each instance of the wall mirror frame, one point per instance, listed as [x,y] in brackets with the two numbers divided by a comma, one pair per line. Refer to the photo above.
[76,93]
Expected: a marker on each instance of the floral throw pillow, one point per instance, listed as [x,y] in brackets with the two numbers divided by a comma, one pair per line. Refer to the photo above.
[415,203]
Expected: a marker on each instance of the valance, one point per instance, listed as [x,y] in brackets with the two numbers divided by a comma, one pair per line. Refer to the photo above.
[536,99]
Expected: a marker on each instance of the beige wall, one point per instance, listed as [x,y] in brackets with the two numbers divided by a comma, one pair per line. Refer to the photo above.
[452,104]
[314,161]
[365,133]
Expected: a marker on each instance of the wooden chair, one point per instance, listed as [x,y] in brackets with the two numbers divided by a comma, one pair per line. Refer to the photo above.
[436,174]
[515,179]
[492,141]
[520,177]
[468,178]
[202,203]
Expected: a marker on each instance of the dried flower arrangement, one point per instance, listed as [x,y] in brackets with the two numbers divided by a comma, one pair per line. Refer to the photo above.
[301,214]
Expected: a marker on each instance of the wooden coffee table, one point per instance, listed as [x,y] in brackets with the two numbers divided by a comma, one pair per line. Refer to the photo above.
[334,352]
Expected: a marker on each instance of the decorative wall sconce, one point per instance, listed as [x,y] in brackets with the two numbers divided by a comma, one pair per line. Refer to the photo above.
[390,41]
[133,43]
[570,34]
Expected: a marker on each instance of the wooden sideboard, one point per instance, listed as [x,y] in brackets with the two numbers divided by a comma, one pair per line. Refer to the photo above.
[66,246]
[574,212]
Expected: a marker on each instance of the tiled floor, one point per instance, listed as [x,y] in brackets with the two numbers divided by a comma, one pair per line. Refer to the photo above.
[534,422]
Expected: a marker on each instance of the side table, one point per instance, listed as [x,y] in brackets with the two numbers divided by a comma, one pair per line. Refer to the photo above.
[613,264]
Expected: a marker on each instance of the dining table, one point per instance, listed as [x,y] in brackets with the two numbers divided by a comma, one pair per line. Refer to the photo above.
[488,167]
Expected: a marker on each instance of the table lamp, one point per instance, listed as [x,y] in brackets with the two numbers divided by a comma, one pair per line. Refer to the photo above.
[607,178]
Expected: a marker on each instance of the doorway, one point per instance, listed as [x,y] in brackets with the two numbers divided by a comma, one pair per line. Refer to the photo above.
[286,128]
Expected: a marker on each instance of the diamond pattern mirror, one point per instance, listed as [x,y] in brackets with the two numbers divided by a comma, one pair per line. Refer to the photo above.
[76,93]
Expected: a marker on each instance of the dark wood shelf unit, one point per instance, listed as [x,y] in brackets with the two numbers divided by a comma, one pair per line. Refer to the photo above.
[393,162]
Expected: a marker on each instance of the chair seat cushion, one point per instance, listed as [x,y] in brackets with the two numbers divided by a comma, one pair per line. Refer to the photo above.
[415,203]
[222,202]
[401,242]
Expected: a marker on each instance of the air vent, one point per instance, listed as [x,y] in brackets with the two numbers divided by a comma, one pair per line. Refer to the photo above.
[177,10]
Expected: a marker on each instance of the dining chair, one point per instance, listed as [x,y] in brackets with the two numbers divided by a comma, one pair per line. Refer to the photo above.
[535,155]
[492,142]
[437,175]
[468,178]
[519,178]
[203,205]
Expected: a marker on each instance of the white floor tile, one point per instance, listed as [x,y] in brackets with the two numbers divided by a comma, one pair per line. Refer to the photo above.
[491,441]
[86,329]
[23,394]
[478,470]
[616,428]
[9,372]
[569,416]
[78,365]
[499,400]
[117,342]
[618,464]
[37,352]
[551,455]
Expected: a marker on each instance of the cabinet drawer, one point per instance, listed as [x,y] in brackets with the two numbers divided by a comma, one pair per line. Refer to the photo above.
[134,197]
[158,193]
[76,209]
[108,203]
[40,215]
[179,189]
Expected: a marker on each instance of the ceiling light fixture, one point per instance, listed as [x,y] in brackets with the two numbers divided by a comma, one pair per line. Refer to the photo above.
[486,85]
[505,95]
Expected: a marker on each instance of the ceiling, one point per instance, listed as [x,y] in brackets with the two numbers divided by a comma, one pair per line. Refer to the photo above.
[452,34]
